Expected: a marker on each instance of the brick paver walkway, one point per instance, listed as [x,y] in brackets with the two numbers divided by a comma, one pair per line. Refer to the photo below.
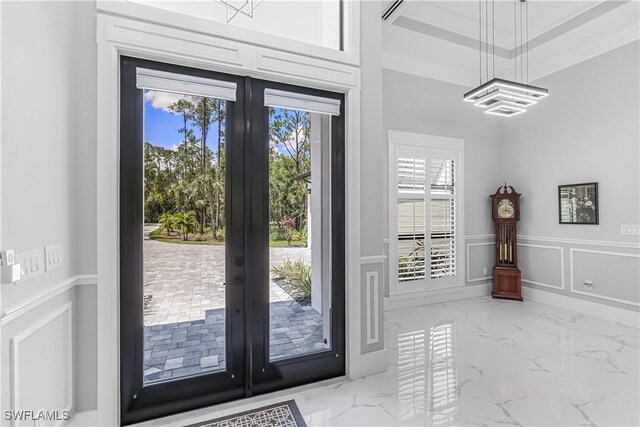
[184,313]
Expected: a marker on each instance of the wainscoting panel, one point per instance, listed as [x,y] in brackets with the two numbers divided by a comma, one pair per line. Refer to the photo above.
[612,267]
[48,351]
[371,276]
[42,363]
[480,256]
[542,265]
[614,275]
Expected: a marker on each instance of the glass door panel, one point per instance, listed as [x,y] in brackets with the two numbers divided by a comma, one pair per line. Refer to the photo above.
[299,233]
[181,239]
[184,230]
[231,237]
[295,264]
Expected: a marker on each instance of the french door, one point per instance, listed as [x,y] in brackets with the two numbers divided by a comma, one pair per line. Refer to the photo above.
[231,237]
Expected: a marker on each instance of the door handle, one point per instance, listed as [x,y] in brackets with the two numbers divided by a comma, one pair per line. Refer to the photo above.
[238,280]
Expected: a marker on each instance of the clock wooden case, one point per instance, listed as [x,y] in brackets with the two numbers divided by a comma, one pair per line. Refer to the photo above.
[505,208]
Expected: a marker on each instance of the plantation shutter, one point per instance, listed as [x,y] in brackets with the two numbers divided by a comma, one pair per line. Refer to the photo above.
[443,218]
[426,204]
[411,214]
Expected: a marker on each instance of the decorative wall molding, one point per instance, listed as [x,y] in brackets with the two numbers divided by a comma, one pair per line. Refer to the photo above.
[559,36]
[432,296]
[635,245]
[222,54]
[15,355]
[372,292]
[479,236]
[373,259]
[585,53]
[572,288]
[547,285]
[477,279]
[590,308]
[207,27]
[279,63]
[18,310]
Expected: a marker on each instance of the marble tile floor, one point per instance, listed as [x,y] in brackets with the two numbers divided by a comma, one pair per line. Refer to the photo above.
[479,362]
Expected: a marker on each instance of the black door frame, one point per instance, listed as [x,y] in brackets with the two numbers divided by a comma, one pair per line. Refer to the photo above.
[248,371]
[266,376]
[140,403]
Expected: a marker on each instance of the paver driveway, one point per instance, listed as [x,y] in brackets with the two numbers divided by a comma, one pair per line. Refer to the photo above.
[184,311]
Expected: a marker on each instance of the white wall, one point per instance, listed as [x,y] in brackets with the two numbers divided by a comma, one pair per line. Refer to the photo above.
[48,197]
[372,164]
[587,130]
[311,21]
[85,118]
[38,136]
[415,104]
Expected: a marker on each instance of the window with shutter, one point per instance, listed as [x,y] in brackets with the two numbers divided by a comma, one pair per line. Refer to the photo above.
[442,217]
[425,193]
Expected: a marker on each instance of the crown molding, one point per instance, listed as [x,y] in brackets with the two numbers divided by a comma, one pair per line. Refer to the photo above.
[428,69]
[587,52]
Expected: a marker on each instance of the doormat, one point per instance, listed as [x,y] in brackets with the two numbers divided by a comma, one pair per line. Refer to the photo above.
[283,414]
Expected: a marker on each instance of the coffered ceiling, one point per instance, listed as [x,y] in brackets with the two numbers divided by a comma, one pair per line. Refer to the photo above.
[442,39]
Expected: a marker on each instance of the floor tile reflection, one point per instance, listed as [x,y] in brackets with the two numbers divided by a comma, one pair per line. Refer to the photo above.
[484,362]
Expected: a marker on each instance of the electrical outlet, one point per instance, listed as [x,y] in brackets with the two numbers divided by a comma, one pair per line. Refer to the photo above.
[485,271]
[588,285]
[31,264]
[53,256]
[630,229]
[7,257]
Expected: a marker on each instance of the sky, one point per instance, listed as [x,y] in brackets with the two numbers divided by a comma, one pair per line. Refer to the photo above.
[161,127]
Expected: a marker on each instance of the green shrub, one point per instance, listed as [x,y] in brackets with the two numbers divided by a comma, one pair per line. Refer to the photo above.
[277,234]
[296,274]
[220,234]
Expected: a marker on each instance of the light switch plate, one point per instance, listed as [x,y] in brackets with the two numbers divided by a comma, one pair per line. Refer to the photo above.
[53,256]
[31,264]
[630,229]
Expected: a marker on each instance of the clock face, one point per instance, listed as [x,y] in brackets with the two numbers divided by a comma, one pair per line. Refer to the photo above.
[505,209]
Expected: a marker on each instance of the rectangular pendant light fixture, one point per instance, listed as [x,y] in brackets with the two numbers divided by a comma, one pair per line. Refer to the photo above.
[527,91]
[505,109]
[499,96]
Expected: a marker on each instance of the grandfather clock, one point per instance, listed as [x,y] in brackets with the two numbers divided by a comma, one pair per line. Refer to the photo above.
[505,208]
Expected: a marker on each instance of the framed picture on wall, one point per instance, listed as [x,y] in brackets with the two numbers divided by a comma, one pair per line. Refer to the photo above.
[578,203]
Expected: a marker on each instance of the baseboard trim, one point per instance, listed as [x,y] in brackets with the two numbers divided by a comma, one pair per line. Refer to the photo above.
[602,311]
[418,299]
[20,309]
[369,364]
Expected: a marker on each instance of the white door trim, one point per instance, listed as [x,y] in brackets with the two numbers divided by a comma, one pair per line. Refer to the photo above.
[122,36]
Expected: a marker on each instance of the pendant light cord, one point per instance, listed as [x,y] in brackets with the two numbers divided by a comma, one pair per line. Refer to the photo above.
[521,46]
[486,35]
[493,38]
[515,41]
[480,38]
[527,21]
